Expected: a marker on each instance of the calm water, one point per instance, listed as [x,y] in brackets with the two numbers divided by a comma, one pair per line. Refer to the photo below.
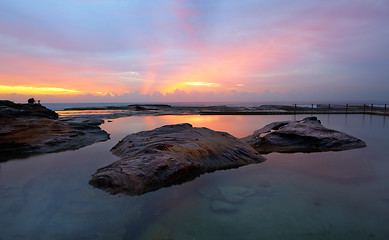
[336,195]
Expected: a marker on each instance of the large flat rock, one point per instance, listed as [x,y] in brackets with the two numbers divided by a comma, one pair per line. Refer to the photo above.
[307,135]
[170,155]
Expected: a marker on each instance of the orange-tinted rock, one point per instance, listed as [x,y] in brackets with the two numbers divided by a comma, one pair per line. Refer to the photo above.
[170,155]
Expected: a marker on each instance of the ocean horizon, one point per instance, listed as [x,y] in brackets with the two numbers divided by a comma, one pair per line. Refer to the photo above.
[63,106]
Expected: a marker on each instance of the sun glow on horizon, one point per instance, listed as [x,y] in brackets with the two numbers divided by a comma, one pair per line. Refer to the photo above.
[36,90]
[202,84]
[190,86]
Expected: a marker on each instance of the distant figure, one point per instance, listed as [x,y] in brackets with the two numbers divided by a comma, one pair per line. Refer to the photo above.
[39,102]
[31,101]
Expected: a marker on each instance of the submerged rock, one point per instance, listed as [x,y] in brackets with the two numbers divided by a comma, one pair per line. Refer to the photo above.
[222,206]
[28,129]
[234,199]
[307,135]
[235,194]
[170,155]
[233,190]
[208,191]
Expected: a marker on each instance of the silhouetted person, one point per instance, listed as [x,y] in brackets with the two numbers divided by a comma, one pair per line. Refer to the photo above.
[31,101]
[39,102]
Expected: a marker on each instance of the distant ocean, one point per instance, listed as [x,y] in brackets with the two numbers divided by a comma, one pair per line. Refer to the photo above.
[62,106]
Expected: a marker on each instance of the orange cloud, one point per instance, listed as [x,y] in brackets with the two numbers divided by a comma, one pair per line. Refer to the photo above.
[239,66]
[201,84]
[229,67]
[37,75]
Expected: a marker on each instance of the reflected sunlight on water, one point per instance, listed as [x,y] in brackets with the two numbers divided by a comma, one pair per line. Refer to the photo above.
[88,112]
[238,126]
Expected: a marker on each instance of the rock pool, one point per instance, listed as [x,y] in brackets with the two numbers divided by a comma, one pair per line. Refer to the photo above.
[333,195]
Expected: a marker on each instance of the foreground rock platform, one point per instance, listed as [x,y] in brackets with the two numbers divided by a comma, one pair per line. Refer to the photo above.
[307,135]
[30,129]
[170,155]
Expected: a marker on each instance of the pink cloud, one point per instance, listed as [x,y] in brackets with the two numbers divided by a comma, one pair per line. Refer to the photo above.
[306,47]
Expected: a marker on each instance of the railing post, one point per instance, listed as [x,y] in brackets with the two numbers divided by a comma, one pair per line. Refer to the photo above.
[329,107]
[364,108]
[295,109]
[385,109]
[371,108]
[346,108]
[312,107]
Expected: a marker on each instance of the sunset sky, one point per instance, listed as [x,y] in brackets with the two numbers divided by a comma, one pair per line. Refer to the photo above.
[199,50]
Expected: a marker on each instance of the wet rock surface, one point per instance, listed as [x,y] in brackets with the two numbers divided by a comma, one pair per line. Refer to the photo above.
[28,129]
[307,135]
[170,155]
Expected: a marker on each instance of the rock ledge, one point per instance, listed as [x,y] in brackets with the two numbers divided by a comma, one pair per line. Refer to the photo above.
[29,129]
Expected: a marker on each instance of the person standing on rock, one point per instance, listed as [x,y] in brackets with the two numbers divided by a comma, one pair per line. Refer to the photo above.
[31,101]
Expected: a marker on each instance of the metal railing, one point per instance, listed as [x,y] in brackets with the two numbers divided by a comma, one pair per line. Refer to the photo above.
[378,109]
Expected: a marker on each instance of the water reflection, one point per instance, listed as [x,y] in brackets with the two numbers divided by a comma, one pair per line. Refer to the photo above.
[345,119]
[339,195]
[88,112]
[363,120]
[238,126]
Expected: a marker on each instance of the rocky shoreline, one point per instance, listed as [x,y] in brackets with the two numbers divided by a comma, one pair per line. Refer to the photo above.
[30,129]
[164,109]
[161,157]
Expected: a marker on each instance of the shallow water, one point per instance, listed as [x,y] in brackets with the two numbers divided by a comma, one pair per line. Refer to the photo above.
[335,195]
